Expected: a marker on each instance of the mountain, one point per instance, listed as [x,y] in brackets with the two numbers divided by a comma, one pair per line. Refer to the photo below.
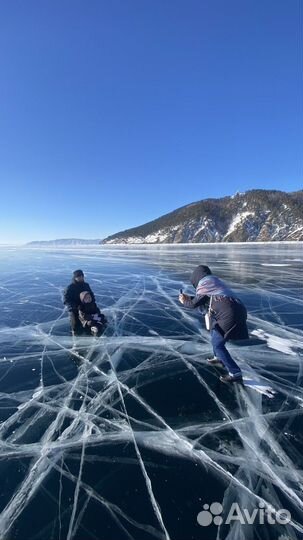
[63,242]
[256,215]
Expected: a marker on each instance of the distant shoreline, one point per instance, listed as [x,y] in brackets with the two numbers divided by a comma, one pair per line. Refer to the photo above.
[150,245]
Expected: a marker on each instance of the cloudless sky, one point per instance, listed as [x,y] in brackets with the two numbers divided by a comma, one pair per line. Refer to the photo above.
[115,112]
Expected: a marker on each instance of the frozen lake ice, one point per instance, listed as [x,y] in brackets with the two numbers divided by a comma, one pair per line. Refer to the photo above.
[136,438]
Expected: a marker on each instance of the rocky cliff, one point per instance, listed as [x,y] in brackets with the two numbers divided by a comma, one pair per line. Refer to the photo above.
[257,215]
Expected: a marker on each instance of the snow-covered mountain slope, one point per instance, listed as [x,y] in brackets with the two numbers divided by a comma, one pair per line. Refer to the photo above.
[257,215]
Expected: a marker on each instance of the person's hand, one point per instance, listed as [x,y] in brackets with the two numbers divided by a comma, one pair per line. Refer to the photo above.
[89,323]
[183,297]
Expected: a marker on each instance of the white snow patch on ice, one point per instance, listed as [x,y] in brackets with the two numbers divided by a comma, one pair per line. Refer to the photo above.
[275,342]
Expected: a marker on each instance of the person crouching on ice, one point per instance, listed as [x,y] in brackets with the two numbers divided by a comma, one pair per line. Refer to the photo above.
[227,317]
[90,315]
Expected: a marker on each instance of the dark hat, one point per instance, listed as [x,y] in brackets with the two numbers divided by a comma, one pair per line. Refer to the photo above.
[78,273]
[199,273]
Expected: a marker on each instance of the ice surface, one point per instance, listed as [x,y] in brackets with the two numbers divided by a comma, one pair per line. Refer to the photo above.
[127,436]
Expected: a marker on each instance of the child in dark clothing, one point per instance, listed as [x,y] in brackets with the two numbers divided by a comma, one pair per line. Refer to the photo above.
[90,315]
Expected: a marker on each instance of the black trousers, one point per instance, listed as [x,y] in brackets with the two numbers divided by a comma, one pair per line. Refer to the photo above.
[76,326]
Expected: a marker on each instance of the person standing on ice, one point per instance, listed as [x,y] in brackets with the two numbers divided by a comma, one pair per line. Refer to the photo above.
[227,317]
[71,299]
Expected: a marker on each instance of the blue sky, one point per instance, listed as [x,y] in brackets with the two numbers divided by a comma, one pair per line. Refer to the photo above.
[113,113]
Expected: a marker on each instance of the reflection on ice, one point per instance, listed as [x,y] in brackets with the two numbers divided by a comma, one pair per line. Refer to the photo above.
[127,436]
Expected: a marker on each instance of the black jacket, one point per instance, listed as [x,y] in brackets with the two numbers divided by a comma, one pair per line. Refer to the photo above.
[229,318]
[71,297]
[228,313]
[91,312]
